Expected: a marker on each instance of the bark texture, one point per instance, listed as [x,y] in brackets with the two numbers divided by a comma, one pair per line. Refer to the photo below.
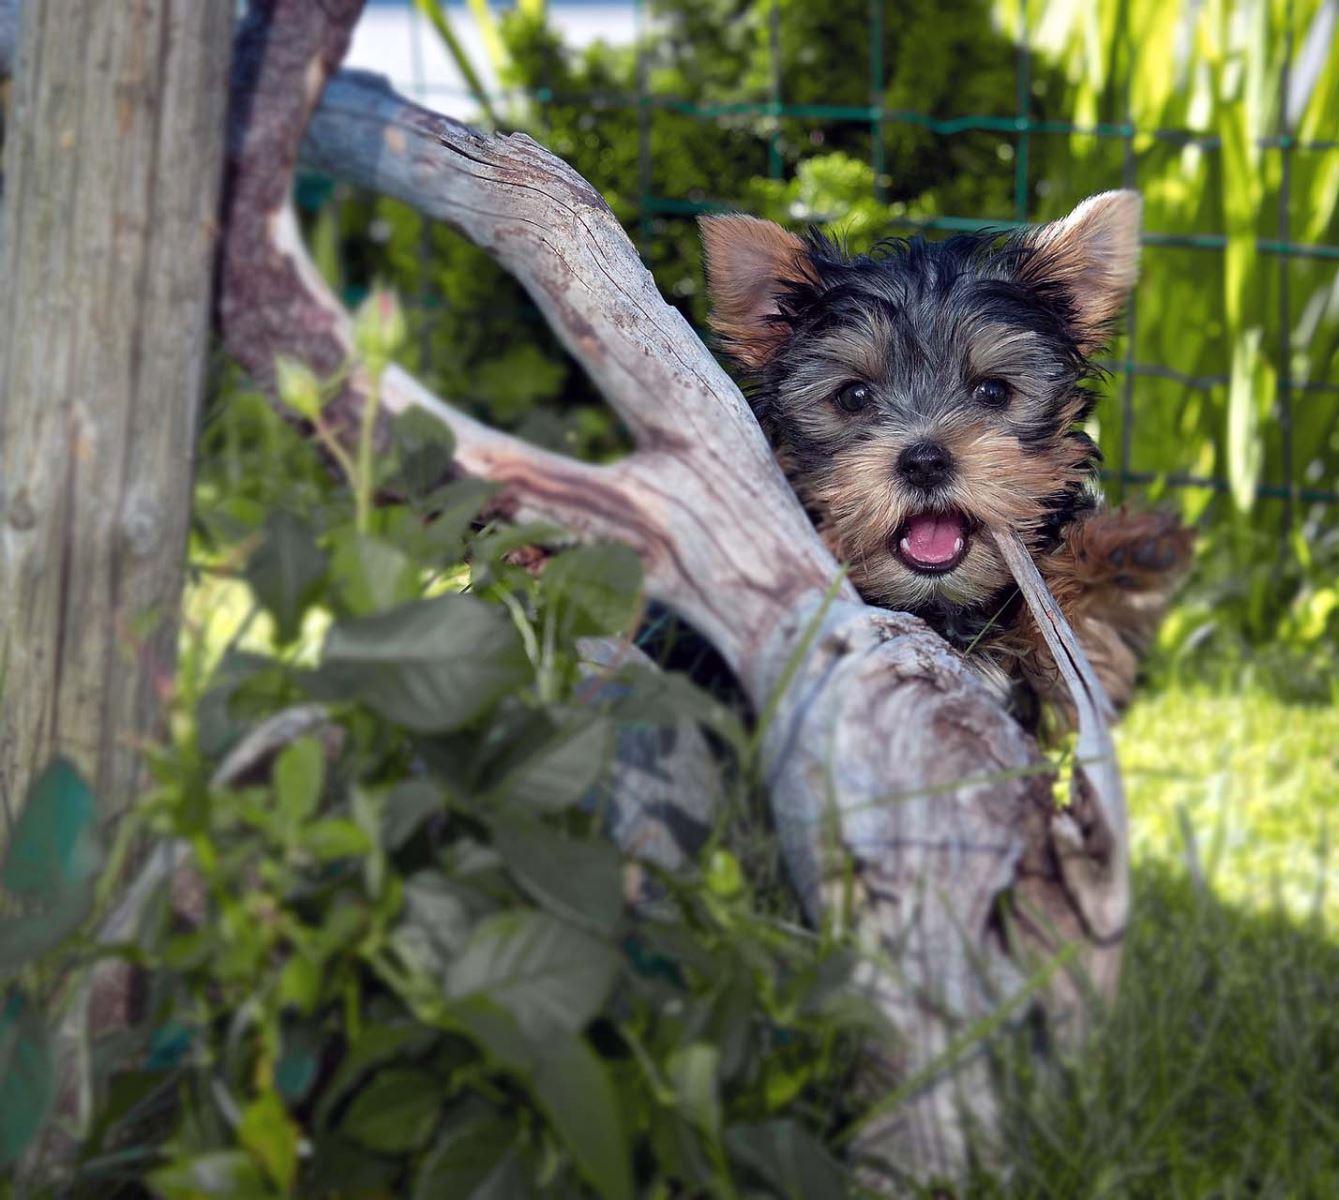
[112,161]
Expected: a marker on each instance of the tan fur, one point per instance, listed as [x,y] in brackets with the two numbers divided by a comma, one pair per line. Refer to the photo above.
[1094,254]
[748,260]
[1113,577]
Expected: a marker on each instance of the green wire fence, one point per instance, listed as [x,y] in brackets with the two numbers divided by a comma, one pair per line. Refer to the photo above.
[1022,127]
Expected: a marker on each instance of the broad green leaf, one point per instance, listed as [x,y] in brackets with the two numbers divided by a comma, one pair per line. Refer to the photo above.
[789,1158]
[436,925]
[570,1084]
[554,761]
[594,589]
[27,1077]
[300,982]
[377,1044]
[299,773]
[286,572]
[1249,394]
[547,974]
[473,1160]
[418,429]
[408,804]
[372,574]
[297,387]
[53,850]
[334,838]
[581,880]
[432,665]
[269,1133]
[395,1112]
[225,1174]
[573,1087]
[450,512]
[692,1070]
[51,863]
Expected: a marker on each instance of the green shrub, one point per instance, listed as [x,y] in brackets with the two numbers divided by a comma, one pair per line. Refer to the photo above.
[423,969]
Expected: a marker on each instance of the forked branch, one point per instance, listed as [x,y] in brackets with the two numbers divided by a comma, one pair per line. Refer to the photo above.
[902,794]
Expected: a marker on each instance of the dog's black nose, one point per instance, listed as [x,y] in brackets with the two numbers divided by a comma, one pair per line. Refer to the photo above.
[925,464]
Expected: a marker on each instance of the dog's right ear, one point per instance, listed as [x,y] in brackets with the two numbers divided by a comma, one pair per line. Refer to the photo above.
[749,263]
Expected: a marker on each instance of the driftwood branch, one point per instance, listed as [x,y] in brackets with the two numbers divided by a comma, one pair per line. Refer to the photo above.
[893,775]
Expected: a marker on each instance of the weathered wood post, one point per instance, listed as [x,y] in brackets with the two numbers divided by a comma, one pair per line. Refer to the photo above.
[112,165]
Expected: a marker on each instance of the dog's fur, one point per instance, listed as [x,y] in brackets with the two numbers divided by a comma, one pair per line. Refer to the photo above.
[979,349]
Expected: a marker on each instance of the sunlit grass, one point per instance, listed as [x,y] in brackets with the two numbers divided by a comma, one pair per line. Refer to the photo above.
[1241,788]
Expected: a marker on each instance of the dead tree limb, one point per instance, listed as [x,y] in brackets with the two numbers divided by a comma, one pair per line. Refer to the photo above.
[889,765]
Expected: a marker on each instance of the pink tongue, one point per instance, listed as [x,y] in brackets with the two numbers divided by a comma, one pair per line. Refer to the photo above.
[932,537]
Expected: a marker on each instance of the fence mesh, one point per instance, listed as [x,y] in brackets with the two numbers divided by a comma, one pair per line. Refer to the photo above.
[1123,472]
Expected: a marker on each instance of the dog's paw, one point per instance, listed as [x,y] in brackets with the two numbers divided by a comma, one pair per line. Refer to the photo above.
[1137,551]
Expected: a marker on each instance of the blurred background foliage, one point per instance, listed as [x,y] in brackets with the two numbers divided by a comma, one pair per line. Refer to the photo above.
[870,118]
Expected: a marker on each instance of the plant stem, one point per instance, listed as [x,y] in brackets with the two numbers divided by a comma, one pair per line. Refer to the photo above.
[367,435]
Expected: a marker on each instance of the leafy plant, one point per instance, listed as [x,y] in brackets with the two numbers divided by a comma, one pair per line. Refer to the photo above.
[421,967]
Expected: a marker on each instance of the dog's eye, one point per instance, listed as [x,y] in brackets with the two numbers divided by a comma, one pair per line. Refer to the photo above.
[993,393]
[854,397]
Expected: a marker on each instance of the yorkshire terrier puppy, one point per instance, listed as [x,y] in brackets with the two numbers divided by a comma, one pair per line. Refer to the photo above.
[926,394]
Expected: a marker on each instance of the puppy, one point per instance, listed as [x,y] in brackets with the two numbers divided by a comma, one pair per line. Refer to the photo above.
[926,394]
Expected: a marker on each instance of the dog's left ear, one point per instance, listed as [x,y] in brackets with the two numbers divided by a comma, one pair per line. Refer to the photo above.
[1093,254]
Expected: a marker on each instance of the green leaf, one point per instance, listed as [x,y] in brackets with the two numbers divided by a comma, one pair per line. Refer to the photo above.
[692,1069]
[52,862]
[408,804]
[300,982]
[334,838]
[594,589]
[227,1174]
[453,510]
[547,974]
[269,1133]
[286,572]
[431,666]
[377,1044]
[395,1112]
[297,387]
[553,761]
[299,773]
[570,1084]
[371,573]
[27,1077]
[53,850]
[437,916]
[575,1091]
[789,1158]
[577,879]
[1250,394]
[473,1160]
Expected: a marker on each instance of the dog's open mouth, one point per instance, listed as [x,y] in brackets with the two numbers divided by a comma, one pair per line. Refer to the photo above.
[932,542]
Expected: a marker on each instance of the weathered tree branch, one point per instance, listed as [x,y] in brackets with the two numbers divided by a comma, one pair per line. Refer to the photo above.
[889,765]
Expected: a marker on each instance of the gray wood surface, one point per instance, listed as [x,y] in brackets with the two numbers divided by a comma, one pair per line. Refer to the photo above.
[112,166]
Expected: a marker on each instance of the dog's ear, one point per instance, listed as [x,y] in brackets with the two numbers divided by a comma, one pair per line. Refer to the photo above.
[749,263]
[1093,254]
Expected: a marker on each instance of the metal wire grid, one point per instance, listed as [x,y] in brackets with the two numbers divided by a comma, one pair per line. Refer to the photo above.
[1022,126]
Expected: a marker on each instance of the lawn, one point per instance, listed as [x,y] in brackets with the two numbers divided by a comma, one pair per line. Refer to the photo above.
[1216,1072]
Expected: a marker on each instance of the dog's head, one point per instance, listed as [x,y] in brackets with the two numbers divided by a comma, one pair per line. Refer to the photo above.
[929,392]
